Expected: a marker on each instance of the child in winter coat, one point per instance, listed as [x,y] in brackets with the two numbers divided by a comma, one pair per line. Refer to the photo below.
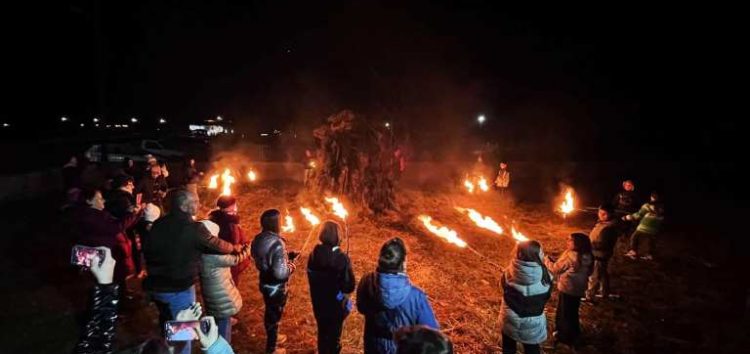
[650,217]
[572,270]
[220,295]
[527,285]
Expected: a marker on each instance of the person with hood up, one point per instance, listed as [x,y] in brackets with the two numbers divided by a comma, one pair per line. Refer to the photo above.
[527,286]
[331,278]
[389,301]
[572,269]
[275,267]
[220,294]
[229,229]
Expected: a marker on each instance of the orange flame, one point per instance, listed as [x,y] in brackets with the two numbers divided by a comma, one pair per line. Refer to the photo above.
[443,232]
[338,207]
[227,179]
[469,186]
[252,176]
[289,223]
[567,205]
[311,218]
[214,183]
[484,222]
[483,184]
[313,164]
[518,236]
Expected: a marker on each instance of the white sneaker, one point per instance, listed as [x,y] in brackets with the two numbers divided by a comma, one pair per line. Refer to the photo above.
[647,258]
[631,254]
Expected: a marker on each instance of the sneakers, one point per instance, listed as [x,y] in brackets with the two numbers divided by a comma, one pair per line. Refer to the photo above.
[647,257]
[631,254]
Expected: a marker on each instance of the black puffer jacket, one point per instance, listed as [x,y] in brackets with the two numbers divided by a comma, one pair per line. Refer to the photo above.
[329,272]
[271,260]
[99,333]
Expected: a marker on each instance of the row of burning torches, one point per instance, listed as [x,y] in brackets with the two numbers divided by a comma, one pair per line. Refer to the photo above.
[451,236]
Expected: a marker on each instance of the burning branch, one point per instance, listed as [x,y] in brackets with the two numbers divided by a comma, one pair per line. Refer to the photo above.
[309,216]
[288,224]
[252,176]
[443,232]
[214,182]
[518,236]
[227,179]
[338,208]
[484,222]
[568,204]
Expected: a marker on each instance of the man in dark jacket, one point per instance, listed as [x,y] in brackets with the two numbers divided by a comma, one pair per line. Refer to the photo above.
[626,202]
[331,278]
[275,266]
[153,187]
[229,229]
[389,301]
[173,252]
[120,200]
[603,239]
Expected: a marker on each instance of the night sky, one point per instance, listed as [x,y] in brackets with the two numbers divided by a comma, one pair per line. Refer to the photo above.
[590,79]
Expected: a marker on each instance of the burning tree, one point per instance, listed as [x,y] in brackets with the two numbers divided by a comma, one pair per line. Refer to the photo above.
[357,160]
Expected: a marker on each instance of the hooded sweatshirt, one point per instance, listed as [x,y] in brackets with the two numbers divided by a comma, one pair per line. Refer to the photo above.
[389,302]
[330,274]
[524,297]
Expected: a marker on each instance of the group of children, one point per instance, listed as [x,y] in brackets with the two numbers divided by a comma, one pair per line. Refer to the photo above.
[581,272]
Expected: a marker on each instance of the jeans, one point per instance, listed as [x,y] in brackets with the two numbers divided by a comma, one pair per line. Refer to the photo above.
[567,323]
[274,297]
[509,346]
[225,328]
[169,304]
[599,279]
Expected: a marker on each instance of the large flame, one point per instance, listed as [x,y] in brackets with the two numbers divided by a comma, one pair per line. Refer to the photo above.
[311,218]
[227,179]
[288,224]
[214,182]
[482,183]
[567,205]
[252,176]
[484,222]
[443,232]
[338,207]
[517,235]
[469,185]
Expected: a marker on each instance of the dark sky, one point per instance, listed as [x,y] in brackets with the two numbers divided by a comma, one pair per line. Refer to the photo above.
[582,74]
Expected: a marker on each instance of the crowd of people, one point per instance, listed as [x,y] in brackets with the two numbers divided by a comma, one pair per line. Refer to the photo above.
[148,230]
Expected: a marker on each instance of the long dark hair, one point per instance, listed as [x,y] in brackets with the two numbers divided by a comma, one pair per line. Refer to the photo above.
[581,244]
[530,251]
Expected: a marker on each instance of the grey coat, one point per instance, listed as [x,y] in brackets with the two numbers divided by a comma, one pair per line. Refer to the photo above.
[572,276]
[220,295]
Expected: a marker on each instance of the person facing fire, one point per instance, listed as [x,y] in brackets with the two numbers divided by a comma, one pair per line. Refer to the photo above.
[603,240]
[229,229]
[649,217]
[625,202]
[275,266]
[527,286]
[389,301]
[572,270]
[331,278]
[502,182]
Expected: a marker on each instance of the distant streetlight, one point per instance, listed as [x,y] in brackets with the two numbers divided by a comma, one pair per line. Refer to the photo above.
[219,118]
[481,119]
[387,124]
[63,119]
[5,125]
[96,120]
[134,120]
[162,121]
[83,125]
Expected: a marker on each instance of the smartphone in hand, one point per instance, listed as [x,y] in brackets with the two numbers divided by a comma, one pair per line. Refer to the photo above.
[183,331]
[83,255]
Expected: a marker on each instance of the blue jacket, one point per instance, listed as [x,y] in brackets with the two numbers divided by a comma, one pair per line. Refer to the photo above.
[389,302]
[220,346]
